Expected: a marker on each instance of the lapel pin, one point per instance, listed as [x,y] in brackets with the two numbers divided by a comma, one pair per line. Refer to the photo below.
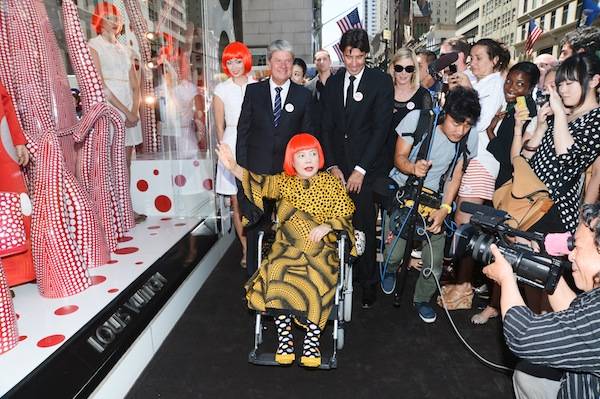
[289,107]
[358,96]
[410,105]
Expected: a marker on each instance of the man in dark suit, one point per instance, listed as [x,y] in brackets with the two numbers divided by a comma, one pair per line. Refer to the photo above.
[272,112]
[357,116]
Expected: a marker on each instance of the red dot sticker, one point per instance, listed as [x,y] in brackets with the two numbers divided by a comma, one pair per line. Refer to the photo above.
[98,280]
[124,239]
[153,234]
[196,163]
[207,184]
[165,219]
[153,227]
[179,224]
[65,310]
[113,290]
[162,203]
[126,250]
[22,337]
[112,262]
[155,171]
[180,180]
[142,185]
[50,340]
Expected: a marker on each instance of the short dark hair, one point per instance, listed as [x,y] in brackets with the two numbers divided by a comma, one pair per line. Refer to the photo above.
[579,68]
[460,45]
[462,104]
[589,214]
[585,39]
[429,55]
[300,62]
[530,69]
[355,38]
[496,49]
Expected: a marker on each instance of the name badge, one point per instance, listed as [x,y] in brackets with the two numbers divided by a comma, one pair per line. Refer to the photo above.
[358,96]
[410,105]
[289,107]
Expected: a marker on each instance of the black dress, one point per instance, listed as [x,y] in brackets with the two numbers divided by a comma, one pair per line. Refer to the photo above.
[420,100]
[562,173]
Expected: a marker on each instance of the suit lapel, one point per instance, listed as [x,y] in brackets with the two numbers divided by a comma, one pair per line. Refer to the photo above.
[354,105]
[268,102]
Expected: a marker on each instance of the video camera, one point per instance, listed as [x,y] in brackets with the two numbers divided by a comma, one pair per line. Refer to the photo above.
[487,226]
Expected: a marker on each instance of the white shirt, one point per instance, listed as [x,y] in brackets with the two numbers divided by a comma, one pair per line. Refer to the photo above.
[284,92]
[358,76]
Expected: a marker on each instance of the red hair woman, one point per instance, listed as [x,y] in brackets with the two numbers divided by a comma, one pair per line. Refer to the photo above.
[298,277]
[227,103]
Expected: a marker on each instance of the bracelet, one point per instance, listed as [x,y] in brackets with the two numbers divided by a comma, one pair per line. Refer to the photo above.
[528,148]
[447,207]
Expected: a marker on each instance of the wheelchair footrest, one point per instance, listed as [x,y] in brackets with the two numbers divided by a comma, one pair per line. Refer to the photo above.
[268,359]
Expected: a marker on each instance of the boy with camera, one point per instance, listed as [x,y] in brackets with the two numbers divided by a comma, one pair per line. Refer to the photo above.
[442,173]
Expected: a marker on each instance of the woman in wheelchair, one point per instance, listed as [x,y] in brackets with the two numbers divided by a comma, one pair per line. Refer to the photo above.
[297,280]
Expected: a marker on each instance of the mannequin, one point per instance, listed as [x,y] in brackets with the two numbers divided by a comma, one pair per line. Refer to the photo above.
[115,65]
[18,268]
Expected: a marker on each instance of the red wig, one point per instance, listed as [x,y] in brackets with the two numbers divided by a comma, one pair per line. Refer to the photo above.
[102,10]
[301,142]
[236,50]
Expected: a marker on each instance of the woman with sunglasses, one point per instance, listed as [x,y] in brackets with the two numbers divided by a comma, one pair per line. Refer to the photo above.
[408,93]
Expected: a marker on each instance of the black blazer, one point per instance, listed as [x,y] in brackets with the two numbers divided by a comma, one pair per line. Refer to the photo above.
[357,135]
[260,145]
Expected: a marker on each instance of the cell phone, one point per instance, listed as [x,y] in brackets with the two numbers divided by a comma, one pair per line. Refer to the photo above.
[452,69]
[542,99]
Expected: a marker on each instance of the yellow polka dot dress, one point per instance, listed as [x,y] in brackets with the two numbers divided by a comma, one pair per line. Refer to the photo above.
[298,275]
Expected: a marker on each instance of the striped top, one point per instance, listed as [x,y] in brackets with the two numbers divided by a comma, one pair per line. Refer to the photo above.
[568,340]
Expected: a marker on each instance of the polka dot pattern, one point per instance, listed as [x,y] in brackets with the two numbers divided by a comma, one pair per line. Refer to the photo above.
[12,228]
[9,336]
[65,234]
[561,173]
[65,310]
[50,340]
[147,115]
[162,203]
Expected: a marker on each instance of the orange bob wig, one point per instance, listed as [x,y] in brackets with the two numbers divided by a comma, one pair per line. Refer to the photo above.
[102,10]
[236,50]
[301,142]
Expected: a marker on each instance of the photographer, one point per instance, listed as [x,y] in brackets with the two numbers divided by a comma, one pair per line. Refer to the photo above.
[568,338]
[448,154]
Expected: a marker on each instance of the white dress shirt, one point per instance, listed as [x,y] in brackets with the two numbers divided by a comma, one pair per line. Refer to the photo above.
[358,76]
[284,92]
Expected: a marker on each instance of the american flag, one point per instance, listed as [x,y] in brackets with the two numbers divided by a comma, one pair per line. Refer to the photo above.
[534,33]
[338,51]
[350,21]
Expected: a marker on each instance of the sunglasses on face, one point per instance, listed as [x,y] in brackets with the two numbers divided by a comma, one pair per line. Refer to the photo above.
[400,68]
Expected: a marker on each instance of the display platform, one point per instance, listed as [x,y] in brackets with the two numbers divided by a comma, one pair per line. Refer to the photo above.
[67,346]
[169,183]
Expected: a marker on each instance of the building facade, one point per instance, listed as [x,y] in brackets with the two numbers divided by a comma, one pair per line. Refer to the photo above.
[267,20]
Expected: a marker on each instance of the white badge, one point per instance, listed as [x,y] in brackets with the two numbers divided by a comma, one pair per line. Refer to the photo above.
[358,96]
[289,107]
[410,105]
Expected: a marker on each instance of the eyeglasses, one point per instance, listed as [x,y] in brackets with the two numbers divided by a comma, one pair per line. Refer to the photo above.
[400,68]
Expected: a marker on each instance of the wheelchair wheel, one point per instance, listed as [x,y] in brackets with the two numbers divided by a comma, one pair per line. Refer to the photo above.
[340,338]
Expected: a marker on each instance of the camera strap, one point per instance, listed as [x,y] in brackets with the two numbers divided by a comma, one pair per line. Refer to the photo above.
[420,136]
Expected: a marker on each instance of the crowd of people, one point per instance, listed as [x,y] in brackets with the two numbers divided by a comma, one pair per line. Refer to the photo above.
[366,125]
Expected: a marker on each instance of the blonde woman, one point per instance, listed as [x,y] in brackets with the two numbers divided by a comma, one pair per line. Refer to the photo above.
[408,93]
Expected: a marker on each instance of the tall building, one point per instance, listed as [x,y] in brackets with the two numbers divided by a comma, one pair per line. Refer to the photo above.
[495,19]
[443,12]
[267,20]
[372,16]
[554,17]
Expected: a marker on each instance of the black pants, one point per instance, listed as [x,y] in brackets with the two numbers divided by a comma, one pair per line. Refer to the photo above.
[365,220]
[252,233]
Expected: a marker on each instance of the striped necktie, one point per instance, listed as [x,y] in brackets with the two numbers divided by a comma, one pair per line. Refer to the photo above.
[277,108]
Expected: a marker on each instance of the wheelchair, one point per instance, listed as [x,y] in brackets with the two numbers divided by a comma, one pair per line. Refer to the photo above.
[341,312]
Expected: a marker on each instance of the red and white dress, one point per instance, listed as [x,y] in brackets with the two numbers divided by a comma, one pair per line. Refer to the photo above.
[480,177]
